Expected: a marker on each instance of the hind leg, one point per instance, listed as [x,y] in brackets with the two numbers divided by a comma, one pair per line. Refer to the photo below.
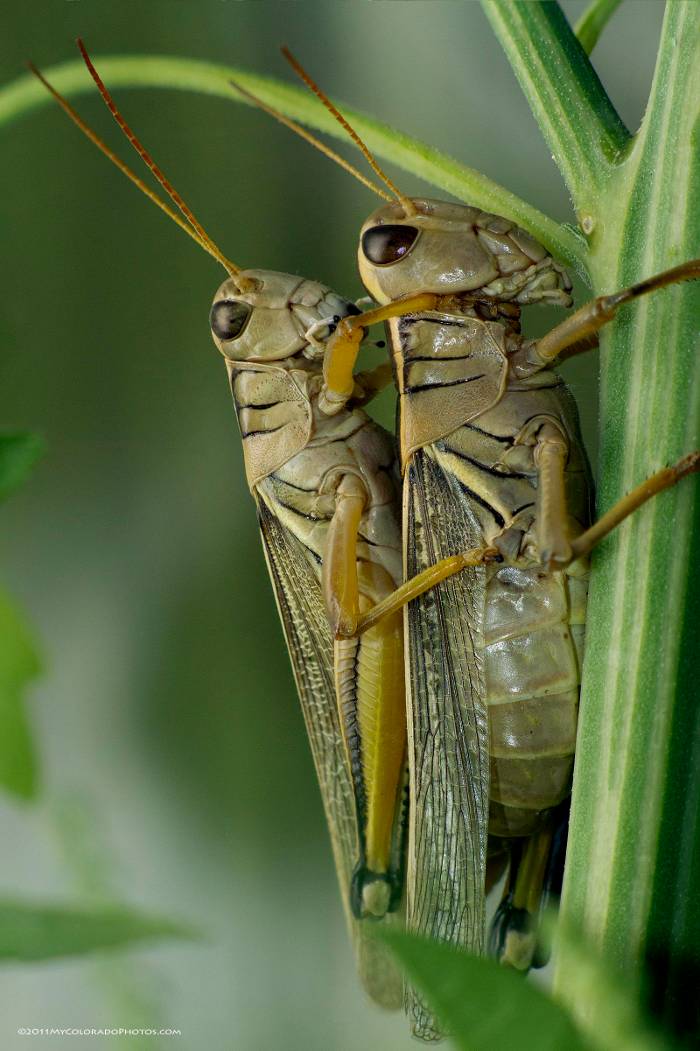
[534,881]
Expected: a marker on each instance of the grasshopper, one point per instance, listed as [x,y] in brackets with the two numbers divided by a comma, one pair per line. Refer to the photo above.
[492,461]
[325,490]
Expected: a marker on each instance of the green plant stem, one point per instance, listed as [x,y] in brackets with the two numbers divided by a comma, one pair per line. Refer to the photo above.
[634,863]
[24,95]
[576,117]
[633,866]
[593,21]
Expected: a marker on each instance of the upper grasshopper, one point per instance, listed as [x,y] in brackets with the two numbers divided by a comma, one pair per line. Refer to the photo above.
[492,461]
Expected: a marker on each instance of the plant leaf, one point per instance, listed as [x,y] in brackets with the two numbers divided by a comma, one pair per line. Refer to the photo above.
[19,451]
[128,71]
[483,1006]
[30,932]
[19,664]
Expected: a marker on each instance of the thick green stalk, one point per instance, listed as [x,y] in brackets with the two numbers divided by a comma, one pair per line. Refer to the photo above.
[633,867]
[633,879]
[131,71]
[576,117]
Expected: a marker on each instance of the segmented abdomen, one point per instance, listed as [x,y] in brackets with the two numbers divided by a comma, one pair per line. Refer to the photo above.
[533,642]
[534,620]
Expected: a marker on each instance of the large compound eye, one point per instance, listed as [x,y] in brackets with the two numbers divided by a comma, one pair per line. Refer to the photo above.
[228,318]
[388,244]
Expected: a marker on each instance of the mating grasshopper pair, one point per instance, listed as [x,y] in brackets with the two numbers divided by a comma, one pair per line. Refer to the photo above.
[495,537]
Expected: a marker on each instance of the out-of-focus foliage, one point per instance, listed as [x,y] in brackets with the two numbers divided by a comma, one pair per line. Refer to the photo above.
[19,664]
[31,932]
[19,660]
[483,1006]
[19,451]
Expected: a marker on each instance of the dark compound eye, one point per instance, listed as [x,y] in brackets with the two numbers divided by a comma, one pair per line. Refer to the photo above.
[228,319]
[388,244]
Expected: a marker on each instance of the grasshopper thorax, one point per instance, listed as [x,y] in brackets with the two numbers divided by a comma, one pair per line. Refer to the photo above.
[453,249]
[274,317]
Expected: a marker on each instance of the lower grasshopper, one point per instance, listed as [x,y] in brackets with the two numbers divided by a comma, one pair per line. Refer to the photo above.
[492,461]
[326,499]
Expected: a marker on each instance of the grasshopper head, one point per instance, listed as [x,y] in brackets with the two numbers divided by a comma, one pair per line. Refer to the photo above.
[451,249]
[277,317]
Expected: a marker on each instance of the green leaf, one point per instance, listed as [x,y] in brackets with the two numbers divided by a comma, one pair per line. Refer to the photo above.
[155,71]
[483,1006]
[19,664]
[19,451]
[30,932]
[593,21]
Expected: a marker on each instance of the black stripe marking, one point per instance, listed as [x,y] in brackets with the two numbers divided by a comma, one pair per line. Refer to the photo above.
[487,434]
[484,467]
[500,520]
[434,357]
[439,386]
[406,322]
[253,405]
[272,430]
[300,488]
[300,514]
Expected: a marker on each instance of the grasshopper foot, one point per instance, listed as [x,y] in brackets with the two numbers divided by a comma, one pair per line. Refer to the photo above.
[372,894]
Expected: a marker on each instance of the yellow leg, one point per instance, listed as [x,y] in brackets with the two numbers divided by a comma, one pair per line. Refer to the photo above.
[663,479]
[514,935]
[580,331]
[555,549]
[424,581]
[344,344]
[556,517]
[379,685]
[340,586]
[531,871]
[551,454]
[369,684]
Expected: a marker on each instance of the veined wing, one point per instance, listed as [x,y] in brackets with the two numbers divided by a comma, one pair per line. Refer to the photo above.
[310,646]
[448,723]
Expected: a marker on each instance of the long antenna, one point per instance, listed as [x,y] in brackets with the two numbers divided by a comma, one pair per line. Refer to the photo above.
[143,153]
[405,202]
[97,141]
[289,123]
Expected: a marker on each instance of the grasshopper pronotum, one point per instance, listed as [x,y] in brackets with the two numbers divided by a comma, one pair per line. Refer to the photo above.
[492,458]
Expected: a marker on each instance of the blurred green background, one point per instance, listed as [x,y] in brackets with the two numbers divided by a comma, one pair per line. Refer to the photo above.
[175,770]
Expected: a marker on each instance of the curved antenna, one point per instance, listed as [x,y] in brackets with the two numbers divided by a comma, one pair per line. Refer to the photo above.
[233,270]
[405,202]
[192,229]
[150,164]
[289,123]
[97,141]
